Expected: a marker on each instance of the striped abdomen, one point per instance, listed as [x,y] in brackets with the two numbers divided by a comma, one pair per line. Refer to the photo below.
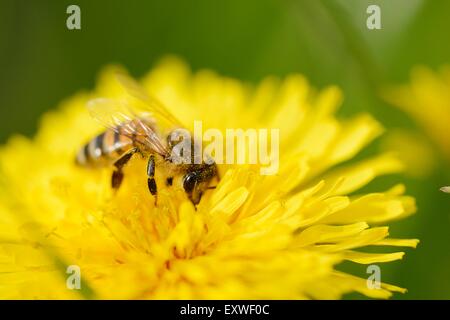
[104,149]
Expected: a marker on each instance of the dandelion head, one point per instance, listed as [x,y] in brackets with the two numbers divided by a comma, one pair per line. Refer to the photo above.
[253,236]
[426,98]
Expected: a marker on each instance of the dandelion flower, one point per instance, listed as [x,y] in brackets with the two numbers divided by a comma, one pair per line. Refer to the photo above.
[427,100]
[253,236]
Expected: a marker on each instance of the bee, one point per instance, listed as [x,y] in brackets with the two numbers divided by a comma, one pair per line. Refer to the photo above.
[132,130]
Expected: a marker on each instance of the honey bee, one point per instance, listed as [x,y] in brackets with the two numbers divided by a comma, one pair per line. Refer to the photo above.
[134,130]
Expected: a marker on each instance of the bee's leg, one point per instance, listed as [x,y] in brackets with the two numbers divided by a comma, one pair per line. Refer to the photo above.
[117,176]
[151,177]
[116,179]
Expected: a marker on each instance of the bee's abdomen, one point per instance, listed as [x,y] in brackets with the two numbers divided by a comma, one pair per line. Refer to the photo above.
[103,149]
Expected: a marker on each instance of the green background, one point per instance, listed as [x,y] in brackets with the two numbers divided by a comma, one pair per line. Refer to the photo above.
[42,62]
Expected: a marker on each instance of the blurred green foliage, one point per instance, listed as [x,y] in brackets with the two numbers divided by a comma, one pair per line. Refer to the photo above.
[327,40]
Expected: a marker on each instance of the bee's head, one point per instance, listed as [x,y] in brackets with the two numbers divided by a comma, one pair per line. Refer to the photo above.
[195,182]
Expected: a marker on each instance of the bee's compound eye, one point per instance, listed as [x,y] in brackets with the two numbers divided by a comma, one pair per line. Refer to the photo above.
[189,182]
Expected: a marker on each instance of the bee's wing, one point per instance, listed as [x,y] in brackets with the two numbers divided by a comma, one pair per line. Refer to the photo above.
[149,104]
[110,112]
[120,117]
